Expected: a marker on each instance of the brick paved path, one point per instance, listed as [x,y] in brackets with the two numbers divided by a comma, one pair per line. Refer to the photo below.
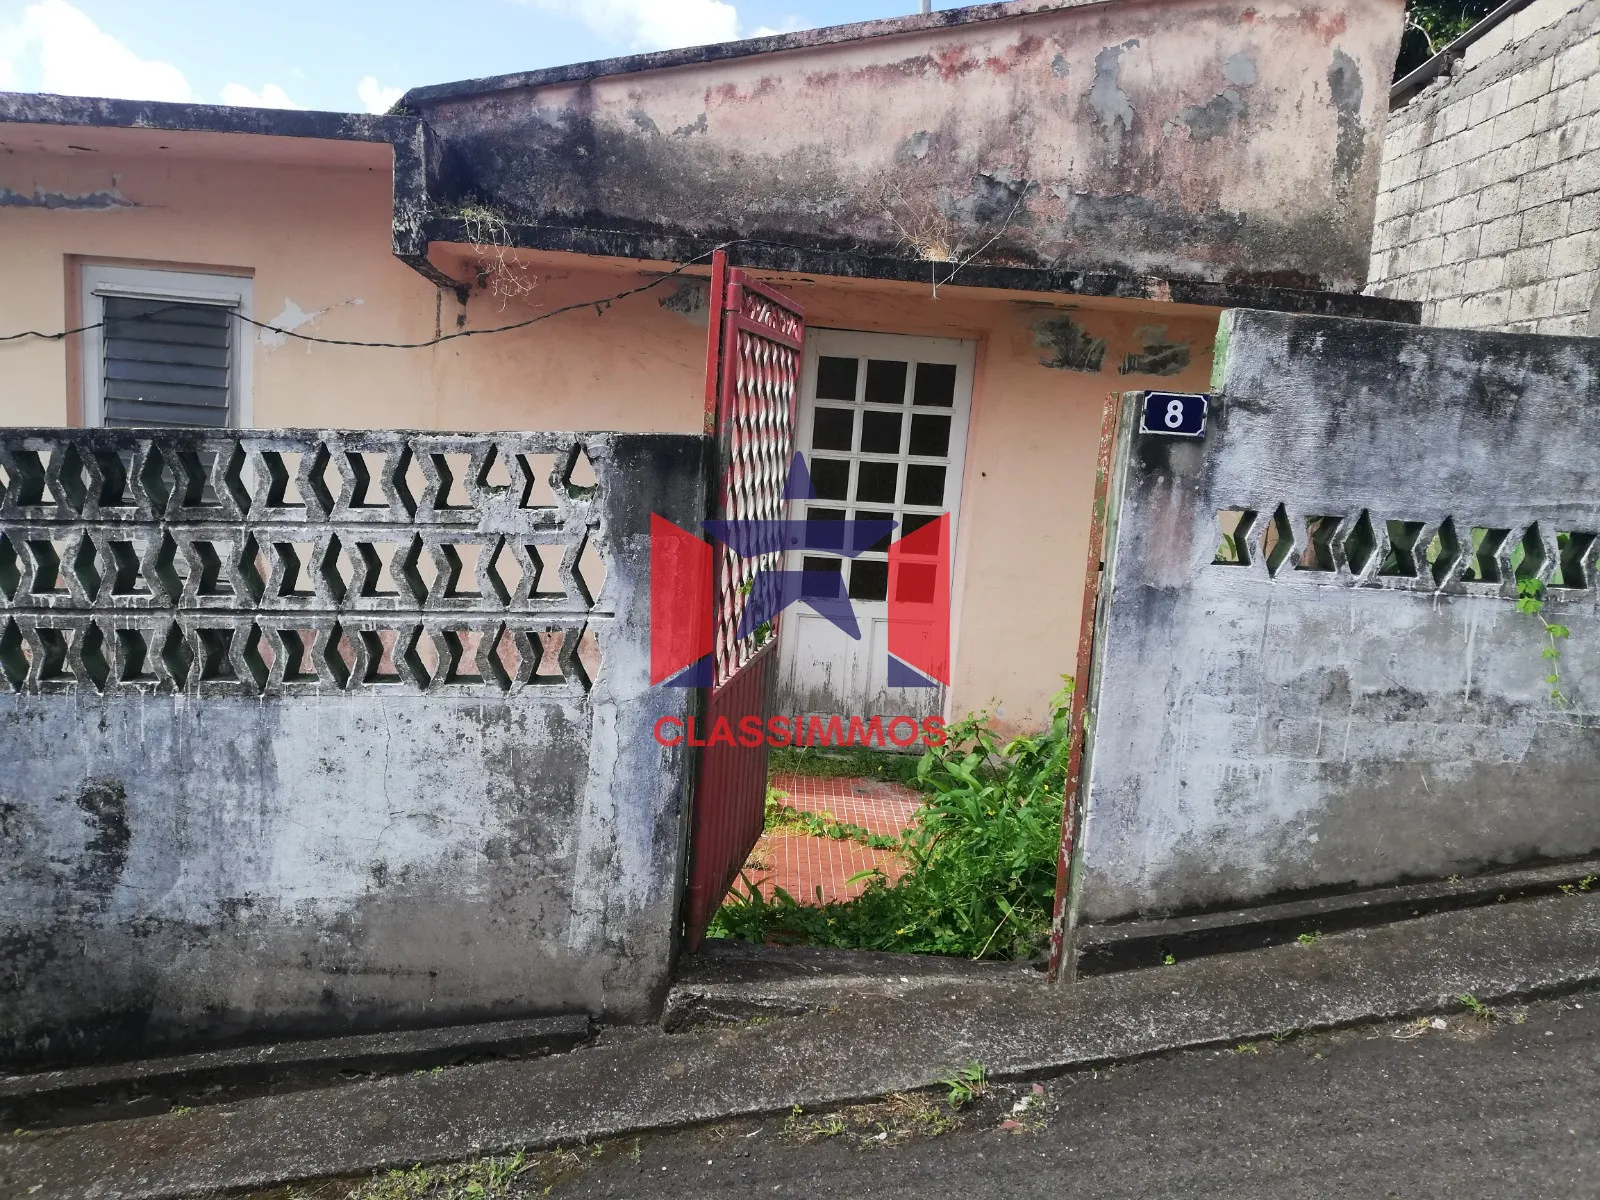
[801,865]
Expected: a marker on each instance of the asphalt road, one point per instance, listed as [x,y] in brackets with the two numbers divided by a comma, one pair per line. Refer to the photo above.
[1480,1109]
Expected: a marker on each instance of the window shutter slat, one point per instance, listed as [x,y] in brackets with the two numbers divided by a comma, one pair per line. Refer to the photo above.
[120,348]
[160,372]
[166,363]
[140,412]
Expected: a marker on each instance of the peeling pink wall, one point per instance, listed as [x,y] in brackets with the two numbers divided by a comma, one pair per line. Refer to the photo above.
[1229,140]
[315,238]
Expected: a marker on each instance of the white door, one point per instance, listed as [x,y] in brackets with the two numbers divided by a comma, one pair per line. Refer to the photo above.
[882,425]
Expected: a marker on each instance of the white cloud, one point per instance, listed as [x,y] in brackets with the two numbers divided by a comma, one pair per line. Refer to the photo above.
[270,96]
[376,98]
[54,47]
[787,25]
[652,24]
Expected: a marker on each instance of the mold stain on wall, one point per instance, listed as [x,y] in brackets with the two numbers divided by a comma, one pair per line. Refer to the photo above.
[1071,347]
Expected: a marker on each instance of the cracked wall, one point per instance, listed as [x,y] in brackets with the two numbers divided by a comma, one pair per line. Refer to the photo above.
[1230,142]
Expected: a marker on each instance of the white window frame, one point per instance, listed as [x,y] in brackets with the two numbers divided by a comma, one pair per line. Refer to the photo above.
[156,283]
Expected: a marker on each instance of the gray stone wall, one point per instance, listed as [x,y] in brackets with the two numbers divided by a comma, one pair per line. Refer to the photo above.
[1350,696]
[318,732]
[1489,201]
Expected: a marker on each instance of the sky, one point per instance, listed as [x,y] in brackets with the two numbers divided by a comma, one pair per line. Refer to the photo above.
[357,55]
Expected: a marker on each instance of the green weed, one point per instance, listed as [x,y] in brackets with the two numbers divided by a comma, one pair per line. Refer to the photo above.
[1476,1007]
[980,858]
[480,1179]
[781,818]
[970,1083]
[1309,938]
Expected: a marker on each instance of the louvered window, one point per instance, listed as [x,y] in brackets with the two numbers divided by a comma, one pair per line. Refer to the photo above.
[165,347]
[166,362]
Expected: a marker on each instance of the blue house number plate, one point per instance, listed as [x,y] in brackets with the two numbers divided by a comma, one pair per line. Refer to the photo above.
[1181,414]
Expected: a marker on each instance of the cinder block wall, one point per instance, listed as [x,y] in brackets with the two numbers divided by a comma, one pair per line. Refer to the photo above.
[1489,201]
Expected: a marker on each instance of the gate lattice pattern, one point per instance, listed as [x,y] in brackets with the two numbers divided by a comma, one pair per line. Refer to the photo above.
[756,366]
[284,562]
[762,362]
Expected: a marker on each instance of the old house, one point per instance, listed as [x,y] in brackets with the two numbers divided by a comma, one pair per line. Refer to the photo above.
[1055,201]
[369,795]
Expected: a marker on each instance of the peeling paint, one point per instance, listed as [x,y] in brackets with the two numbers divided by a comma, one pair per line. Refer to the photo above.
[1240,69]
[292,316]
[1072,347]
[1156,356]
[105,198]
[1110,103]
[1214,118]
[1191,143]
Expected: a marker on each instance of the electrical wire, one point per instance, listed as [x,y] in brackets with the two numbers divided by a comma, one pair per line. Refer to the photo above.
[599,305]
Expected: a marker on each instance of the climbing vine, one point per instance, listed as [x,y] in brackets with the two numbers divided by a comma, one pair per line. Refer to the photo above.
[1530,600]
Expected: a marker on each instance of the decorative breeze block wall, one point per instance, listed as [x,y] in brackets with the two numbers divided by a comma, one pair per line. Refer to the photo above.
[317,731]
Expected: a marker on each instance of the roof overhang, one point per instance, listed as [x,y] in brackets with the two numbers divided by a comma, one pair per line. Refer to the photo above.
[47,123]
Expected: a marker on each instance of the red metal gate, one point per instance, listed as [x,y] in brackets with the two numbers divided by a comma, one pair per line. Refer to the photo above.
[752,384]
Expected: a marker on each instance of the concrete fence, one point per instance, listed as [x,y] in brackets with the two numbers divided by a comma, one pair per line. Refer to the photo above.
[1312,669]
[327,731]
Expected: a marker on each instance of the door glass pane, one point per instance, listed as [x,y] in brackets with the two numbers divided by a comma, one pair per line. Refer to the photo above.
[836,378]
[820,578]
[880,432]
[869,579]
[881,546]
[915,521]
[924,484]
[826,537]
[875,481]
[916,582]
[936,384]
[833,429]
[830,478]
[930,435]
[886,381]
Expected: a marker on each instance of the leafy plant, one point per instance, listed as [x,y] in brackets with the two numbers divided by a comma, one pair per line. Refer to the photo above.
[1476,1007]
[781,818]
[1431,25]
[970,1083]
[980,858]
[1311,938]
[1530,600]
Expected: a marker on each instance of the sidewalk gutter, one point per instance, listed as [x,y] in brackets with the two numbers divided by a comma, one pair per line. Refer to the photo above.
[903,1034]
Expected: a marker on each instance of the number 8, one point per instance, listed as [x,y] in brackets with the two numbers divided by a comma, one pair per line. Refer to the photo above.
[1174,416]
